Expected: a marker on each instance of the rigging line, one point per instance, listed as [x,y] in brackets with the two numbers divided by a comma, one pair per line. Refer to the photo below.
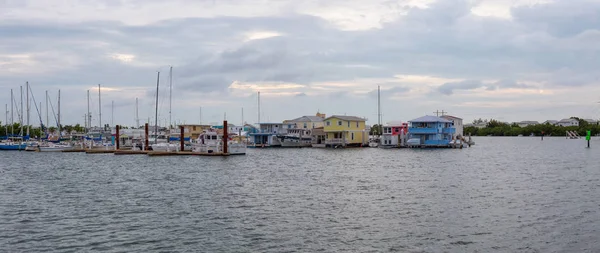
[53,114]
[36,107]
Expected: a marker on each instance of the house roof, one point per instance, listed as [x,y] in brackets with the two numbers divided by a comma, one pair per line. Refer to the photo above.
[307,119]
[428,119]
[567,120]
[551,121]
[590,120]
[450,117]
[348,118]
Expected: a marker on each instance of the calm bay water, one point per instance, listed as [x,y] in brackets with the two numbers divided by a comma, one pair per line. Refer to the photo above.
[502,195]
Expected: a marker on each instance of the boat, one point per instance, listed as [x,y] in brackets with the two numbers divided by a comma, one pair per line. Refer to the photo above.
[170,147]
[297,138]
[210,141]
[55,147]
[14,143]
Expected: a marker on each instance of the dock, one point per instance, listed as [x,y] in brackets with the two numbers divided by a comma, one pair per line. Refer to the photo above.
[75,150]
[184,153]
[131,152]
[100,151]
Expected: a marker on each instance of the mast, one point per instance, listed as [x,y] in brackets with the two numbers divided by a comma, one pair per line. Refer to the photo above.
[12,114]
[88,117]
[170,94]
[259,107]
[59,126]
[100,110]
[47,115]
[379,109]
[27,95]
[242,117]
[21,114]
[112,112]
[156,110]
[137,117]
[200,115]
[6,120]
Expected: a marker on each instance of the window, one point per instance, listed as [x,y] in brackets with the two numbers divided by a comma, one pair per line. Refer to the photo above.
[352,136]
[305,125]
[339,123]
[348,123]
[357,125]
[328,123]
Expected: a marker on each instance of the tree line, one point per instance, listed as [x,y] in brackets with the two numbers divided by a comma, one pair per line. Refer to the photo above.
[497,128]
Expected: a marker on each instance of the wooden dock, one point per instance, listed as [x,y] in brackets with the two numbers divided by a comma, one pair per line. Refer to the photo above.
[100,151]
[184,153]
[131,152]
[75,150]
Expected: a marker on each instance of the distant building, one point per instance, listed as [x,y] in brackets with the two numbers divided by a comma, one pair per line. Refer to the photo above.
[568,122]
[192,131]
[458,124]
[591,121]
[527,123]
[345,131]
[550,122]
[307,122]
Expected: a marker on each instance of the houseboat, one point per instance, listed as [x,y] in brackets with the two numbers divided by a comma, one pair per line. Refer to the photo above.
[297,138]
[267,135]
[344,131]
[430,131]
[211,141]
[394,135]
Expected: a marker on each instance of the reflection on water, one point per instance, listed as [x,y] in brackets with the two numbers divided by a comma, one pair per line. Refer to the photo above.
[502,195]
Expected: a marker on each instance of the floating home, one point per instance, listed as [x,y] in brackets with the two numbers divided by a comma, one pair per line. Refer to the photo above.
[430,131]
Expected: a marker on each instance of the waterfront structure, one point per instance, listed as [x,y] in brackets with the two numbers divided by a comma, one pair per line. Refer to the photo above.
[192,131]
[568,122]
[550,122]
[457,124]
[345,131]
[318,137]
[591,121]
[430,131]
[266,135]
[299,131]
[393,134]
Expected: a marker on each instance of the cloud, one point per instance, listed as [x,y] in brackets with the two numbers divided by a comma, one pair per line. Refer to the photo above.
[449,88]
[223,52]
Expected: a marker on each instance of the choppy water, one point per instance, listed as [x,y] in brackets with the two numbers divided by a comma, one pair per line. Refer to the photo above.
[502,195]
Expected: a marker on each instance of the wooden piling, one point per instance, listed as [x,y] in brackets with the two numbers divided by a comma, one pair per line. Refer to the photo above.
[181,140]
[225,137]
[146,136]
[117,136]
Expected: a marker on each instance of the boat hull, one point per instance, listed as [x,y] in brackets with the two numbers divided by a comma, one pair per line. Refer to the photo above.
[54,149]
[13,147]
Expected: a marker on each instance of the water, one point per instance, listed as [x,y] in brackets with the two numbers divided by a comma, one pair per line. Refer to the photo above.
[502,195]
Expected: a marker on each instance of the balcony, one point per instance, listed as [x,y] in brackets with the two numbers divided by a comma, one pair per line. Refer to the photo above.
[449,130]
[419,130]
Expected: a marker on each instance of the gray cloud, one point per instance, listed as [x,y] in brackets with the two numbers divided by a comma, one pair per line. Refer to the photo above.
[449,88]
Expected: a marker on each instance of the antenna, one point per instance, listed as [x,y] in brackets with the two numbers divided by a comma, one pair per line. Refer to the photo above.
[437,113]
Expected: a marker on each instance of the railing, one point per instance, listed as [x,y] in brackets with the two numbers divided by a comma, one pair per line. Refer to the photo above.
[437,142]
[334,141]
[417,130]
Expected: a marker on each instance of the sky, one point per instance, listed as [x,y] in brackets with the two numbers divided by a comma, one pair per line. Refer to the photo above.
[508,60]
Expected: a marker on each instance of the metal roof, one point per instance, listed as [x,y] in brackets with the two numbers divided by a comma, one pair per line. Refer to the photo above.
[348,118]
[428,119]
[308,119]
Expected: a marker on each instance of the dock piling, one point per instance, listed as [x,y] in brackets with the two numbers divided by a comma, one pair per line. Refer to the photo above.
[181,140]
[117,136]
[225,136]
[146,136]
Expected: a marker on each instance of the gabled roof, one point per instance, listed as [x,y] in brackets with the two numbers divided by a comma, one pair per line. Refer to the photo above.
[567,120]
[429,119]
[307,119]
[450,116]
[348,118]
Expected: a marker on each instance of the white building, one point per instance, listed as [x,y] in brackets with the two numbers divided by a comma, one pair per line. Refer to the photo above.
[458,124]
[568,122]
[591,121]
[527,123]
[551,122]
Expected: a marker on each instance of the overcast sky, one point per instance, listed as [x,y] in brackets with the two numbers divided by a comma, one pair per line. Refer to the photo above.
[505,59]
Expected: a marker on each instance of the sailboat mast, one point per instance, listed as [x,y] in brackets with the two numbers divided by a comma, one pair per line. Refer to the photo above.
[379,107]
[21,114]
[156,110]
[59,126]
[259,107]
[6,120]
[100,109]
[88,116]
[200,115]
[137,117]
[12,114]
[112,112]
[170,94]
[27,95]
[47,114]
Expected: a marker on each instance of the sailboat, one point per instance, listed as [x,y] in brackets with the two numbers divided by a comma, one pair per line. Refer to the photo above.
[15,142]
[56,147]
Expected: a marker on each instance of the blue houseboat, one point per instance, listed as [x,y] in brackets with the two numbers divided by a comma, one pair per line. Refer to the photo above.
[267,134]
[430,131]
